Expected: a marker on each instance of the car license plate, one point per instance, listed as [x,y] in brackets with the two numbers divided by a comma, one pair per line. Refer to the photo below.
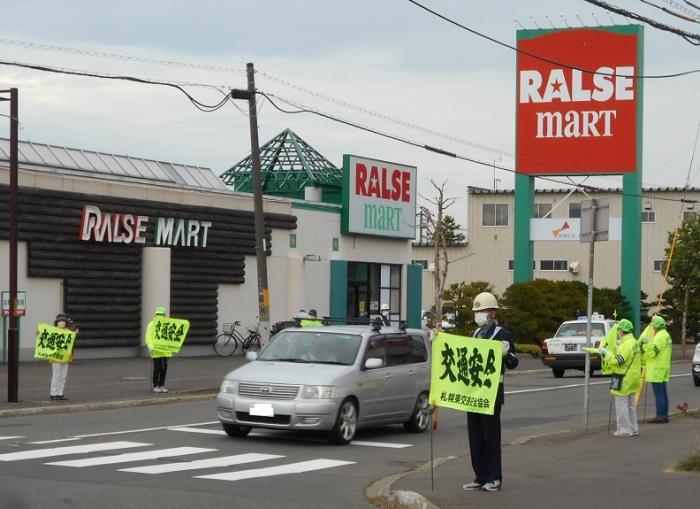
[262,410]
[571,348]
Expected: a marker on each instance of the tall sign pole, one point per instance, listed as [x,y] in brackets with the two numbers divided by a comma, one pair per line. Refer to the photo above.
[12,339]
[260,244]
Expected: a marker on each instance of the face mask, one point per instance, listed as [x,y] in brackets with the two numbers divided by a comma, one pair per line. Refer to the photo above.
[481,318]
[61,324]
[385,313]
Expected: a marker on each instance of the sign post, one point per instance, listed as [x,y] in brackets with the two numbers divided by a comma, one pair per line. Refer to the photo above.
[20,310]
[595,218]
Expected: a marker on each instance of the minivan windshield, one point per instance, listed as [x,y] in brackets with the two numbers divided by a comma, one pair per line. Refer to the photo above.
[312,347]
[579,329]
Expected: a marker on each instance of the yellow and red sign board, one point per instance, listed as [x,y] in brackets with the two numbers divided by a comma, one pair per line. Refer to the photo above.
[578,101]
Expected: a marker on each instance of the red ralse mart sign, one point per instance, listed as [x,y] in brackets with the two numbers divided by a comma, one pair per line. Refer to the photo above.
[574,122]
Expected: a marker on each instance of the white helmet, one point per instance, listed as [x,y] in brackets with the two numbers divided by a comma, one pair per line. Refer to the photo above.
[485,300]
[385,307]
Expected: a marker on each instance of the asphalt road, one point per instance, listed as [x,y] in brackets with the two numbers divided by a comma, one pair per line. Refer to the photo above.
[176,456]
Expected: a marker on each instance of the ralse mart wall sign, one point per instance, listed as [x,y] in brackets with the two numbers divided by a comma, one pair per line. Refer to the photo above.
[121,228]
[379,198]
[579,110]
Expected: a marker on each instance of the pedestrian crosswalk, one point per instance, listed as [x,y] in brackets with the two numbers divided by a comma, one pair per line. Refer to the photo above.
[219,465]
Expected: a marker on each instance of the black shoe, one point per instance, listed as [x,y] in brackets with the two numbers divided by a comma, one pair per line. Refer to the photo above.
[53,397]
[659,420]
[61,396]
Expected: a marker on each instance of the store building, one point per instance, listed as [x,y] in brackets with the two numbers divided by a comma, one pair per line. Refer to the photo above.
[106,238]
[558,253]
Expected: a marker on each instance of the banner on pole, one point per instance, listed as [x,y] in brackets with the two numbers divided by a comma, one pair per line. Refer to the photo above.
[465,373]
[168,334]
[53,343]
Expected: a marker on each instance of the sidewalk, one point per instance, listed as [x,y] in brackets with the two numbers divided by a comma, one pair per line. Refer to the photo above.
[109,383]
[577,470]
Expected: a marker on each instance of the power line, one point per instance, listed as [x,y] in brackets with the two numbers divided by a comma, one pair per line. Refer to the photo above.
[693,39]
[118,56]
[669,11]
[207,108]
[555,62]
[303,109]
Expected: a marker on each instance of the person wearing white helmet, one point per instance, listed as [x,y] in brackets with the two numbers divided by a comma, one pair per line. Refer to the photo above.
[384,315]
[485,430]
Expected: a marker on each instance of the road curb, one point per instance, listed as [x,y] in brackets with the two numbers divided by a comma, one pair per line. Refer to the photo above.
[202,395]
[381,494]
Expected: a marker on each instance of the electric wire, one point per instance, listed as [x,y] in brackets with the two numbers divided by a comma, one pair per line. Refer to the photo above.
[554,62]
[303,109]
[693,39]
[680,7]
[207,108]
[669,11]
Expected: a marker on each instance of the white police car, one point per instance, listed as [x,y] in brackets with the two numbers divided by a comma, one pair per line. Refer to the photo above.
[696,366]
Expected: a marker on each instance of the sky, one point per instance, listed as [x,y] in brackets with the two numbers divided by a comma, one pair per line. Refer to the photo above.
[388,58]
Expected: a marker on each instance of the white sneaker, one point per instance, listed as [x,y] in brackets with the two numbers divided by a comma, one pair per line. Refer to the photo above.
[163,389]
[472,486]
[492,486]
[156,389]
[622,434]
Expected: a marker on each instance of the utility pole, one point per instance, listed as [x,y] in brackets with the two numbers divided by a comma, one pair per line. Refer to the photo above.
[12,340]
[260,244]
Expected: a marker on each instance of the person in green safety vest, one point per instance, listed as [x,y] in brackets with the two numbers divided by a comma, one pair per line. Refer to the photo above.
[312,321]
[609,343]
[657,348]
[160,359]
[624,384]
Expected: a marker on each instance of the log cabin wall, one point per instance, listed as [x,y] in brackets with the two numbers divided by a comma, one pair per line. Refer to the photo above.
[102,280]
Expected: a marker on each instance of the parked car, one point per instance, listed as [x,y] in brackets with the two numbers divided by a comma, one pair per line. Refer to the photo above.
[334,379]
[695,367]
[565,350]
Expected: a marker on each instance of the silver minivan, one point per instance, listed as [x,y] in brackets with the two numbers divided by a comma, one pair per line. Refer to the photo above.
[335,379]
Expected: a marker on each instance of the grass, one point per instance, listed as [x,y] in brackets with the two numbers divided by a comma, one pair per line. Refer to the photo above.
[533,350]
[691,462]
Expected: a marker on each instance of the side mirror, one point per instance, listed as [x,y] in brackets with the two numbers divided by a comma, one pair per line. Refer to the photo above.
[251,356]
[374,363]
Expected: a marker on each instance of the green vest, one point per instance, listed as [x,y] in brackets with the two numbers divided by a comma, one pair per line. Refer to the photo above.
[657,354]
[627,361]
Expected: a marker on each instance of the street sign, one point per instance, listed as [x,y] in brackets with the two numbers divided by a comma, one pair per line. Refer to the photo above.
[21,304]
[595,219]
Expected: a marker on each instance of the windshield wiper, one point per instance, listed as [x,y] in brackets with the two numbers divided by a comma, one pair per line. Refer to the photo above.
[332,362]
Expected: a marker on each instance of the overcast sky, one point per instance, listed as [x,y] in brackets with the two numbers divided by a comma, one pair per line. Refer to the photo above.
[385,56]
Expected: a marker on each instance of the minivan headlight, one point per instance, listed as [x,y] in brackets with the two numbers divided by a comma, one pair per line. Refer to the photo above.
[696,367]
[318,392]
[229,387]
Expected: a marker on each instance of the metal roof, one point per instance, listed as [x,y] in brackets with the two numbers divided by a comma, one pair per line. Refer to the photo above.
[650,189]
[55,159]
[288,165]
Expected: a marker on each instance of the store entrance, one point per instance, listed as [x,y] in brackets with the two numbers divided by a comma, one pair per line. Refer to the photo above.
[369,286]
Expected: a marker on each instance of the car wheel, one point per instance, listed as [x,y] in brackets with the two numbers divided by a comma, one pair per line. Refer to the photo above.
[697,381]
[345,425]
[591,371]
[558,372]
[420,417]
[235,430]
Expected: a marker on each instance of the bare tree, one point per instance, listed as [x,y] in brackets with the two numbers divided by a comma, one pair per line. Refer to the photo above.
[435,226]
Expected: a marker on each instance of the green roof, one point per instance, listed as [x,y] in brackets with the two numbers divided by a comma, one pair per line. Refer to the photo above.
[288,165]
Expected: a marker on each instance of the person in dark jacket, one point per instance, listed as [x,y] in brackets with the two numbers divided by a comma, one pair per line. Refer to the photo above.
[485,430]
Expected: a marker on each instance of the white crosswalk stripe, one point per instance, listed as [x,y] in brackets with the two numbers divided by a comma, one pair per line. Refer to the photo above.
[11,438]
[291,468]
[129,457]
[364,443]
[64,451]
[225,461]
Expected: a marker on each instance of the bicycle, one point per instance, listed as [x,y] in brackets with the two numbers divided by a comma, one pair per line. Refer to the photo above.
[230,339]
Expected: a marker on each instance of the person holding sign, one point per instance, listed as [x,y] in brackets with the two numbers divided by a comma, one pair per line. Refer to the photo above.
[484,429]
[59,363]
[626,371]
[160,357]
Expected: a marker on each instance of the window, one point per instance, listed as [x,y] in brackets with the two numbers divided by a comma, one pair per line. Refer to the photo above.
[422,263]
[659,265]
[648,216]
[376,349]
[511,265]
[575,210]
[398,350]
[550,265]
[419,351]
[494,214]
[541,209]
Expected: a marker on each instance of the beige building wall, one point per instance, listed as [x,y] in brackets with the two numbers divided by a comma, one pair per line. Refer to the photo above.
[490,248]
